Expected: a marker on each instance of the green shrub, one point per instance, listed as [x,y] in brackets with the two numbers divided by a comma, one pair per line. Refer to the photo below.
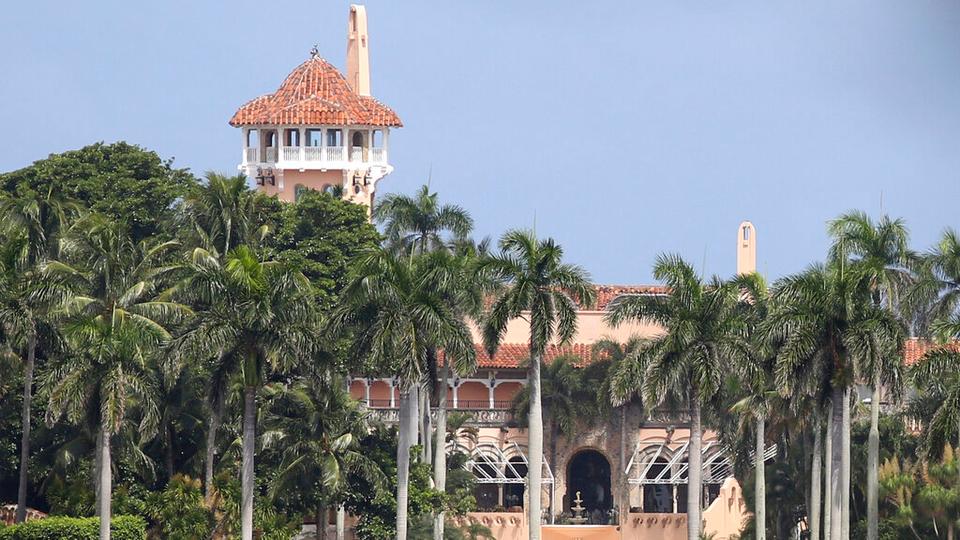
[68,528]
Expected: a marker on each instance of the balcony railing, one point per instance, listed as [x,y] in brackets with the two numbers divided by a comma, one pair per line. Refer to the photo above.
[314,154]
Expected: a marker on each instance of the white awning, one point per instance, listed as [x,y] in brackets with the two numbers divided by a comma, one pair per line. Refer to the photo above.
[669,459]
[492,465]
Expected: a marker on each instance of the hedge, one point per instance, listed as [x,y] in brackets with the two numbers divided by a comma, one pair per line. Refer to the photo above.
[67,528]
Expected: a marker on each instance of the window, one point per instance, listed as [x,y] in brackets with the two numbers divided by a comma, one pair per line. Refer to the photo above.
[335,137]
[253,138]
[376,138]
[746,233]
[314,137]
[298,192]
[291,137]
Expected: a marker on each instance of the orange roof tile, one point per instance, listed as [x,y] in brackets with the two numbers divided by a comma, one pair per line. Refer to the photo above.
[608,293]
[914,349]
[315,93]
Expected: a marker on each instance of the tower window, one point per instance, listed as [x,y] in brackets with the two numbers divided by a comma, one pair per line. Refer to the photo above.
[335,137]
[746,233]
[314,137]
[376,138]
[291,137]
[253,138]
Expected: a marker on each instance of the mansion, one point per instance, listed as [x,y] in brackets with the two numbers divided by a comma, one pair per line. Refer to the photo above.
[322,129]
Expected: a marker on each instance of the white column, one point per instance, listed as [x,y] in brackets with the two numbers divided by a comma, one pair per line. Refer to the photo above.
[491,387]
[456,393]
[393,396]
[366,391]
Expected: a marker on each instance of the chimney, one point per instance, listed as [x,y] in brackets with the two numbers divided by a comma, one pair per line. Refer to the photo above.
[746,249]
[358,57]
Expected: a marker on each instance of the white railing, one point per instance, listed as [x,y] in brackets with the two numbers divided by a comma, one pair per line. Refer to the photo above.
[356,154]
[251,155]
[312,153]
[291,153]
[378,155]
[335,153]
[271,155]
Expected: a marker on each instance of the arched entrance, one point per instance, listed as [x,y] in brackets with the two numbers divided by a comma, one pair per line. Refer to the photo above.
[589,473]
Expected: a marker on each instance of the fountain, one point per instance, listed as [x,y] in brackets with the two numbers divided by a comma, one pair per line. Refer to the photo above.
[578,518]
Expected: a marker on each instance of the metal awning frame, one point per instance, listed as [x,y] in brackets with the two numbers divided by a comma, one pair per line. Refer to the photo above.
[496,458]
[716,464]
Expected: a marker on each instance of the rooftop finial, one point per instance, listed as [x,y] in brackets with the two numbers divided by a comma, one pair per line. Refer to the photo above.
[315,51]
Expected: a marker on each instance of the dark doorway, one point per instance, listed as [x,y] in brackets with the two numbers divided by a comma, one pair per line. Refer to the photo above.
[589,473]
[513,493]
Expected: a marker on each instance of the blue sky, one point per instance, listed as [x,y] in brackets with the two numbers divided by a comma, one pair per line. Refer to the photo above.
[623,129]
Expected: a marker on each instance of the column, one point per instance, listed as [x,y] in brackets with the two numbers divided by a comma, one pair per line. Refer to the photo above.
[491,386]
[366,391]
[456,393]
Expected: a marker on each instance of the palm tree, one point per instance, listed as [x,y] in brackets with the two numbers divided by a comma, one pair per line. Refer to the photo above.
[567,400]
[315,426]
[29,226]
[755,377]
[704,336]
[113,322]
[257,316]
[545,291]
[880,252]
[216,217]
[608,355]
[415,224]
[937,374]
[397,309]
[830,329]
[937,290]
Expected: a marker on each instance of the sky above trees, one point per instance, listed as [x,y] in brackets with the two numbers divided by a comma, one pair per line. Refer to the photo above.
[623,129]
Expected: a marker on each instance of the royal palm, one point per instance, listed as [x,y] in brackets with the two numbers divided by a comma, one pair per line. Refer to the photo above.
[398,315]
[538,286]
[113,323]
[256,317]
[704,335]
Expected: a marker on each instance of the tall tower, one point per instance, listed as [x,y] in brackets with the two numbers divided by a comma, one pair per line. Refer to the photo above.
[746,248]
[320,130]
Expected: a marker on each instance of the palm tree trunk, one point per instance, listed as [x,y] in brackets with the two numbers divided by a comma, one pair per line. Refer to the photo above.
[440,452]
[554,435]
[828,479]
[106,492]
[211,450]
[341,515]
[845,464]
[535,447]
[97,480]
[873,464]
[246,478]
[694,472]
[624,491]
[427,428]
[21,514]
[322,522]
[836,464]
[408,420]
[760,483]
[814,510]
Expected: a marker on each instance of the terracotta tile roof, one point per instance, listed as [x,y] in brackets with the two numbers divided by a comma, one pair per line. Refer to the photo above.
[513,355]
[315,93]
[914,349]
[607,293]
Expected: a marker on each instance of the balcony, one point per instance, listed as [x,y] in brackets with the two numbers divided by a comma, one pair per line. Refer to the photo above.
[314,157]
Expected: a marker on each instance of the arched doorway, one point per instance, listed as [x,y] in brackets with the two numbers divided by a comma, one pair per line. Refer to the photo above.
[589,473]
[487,494]
[657,497]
